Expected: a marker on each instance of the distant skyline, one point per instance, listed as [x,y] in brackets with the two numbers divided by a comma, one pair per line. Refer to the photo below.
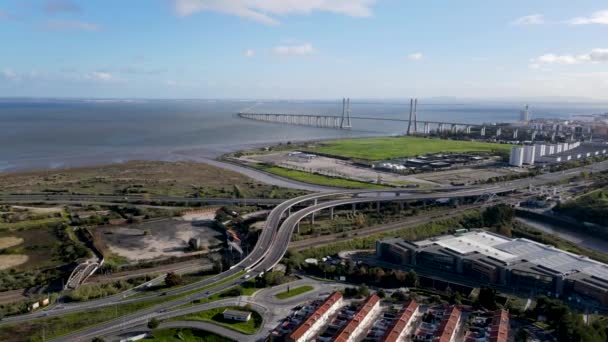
[314,49]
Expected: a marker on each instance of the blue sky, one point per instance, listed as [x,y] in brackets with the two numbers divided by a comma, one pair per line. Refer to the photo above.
[303,48]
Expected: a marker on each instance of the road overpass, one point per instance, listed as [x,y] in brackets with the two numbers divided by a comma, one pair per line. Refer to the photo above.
[274,239]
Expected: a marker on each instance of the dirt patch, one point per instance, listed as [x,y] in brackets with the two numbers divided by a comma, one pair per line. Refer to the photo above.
[158,239]
[38,210]
[11,260]
[10,241]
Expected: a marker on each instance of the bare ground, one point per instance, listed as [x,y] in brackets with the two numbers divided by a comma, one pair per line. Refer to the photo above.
[10,241]
[11,260]
[163,238]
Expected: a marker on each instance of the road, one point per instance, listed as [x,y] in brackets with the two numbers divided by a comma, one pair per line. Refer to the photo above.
[274,239]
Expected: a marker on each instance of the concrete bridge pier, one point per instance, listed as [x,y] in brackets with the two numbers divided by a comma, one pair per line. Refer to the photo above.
[354,208]
[498,132]
[515,133]
[331,213]
[453,128]
[467,130]
[483,131]
[426,128]
[441,127]
[312,215]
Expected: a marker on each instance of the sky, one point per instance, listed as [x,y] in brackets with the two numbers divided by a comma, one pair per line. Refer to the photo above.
[304,49]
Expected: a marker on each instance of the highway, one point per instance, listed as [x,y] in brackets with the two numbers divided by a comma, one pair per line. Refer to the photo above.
[274,239]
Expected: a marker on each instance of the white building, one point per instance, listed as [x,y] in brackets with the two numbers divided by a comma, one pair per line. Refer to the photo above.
[237,315]
[539,151]
[529,152]
[524,115]
[517,156]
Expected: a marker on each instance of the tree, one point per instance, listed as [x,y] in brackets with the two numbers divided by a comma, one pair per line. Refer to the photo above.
[411,279]
[380,293]
[363,290]
[398,296]
[487,298]
[98,339]
[153,323]
[498,215]
[173,279]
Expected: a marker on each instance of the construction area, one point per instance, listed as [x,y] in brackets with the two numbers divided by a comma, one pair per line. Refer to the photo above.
[160,239]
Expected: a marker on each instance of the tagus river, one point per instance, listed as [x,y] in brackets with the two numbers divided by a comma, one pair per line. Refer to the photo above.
[41,134]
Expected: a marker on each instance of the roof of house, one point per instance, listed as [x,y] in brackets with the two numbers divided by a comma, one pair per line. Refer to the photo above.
[352,325]
[499,332]
[402,322]
[316,315]
[448,325]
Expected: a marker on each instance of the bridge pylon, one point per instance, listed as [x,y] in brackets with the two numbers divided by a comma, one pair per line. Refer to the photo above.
[345,121]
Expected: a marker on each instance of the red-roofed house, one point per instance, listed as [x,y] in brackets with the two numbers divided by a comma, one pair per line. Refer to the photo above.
[499,332]
[449,325]
[399,330]
[317,319]
[361,319]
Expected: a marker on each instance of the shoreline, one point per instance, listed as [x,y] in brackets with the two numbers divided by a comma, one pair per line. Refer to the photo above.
[207,154]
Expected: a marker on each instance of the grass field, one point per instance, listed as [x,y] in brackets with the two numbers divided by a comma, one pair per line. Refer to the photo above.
[310,178]
[140,178]
[215,316]
[185,335]
[395,147]
[294,292]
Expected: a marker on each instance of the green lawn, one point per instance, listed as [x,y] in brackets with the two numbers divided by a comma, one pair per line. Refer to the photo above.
[63,325]
[294,292]
[185,335]
[31,224]
[311,178]
[395,147]
[215,316]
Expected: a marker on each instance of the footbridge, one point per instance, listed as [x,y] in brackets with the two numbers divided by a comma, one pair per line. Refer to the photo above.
[81,273]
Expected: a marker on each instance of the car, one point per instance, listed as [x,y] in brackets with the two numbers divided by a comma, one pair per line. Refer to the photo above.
[163,294]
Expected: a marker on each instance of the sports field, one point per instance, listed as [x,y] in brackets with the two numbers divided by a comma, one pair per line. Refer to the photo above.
[396,147]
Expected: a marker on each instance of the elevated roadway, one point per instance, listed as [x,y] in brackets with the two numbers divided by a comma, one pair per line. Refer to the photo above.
[274,239]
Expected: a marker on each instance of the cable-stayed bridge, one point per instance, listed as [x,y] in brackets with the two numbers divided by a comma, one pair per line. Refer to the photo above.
[412,126]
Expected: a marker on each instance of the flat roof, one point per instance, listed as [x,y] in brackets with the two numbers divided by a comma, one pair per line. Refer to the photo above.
[516,253]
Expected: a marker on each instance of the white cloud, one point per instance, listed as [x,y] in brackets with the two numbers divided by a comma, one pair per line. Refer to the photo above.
[294,50]
[599,17]
[534,19]
[264,11]
[99,76]
[595,56]
[415,56]
[9,74]
[249,53]
[71,25]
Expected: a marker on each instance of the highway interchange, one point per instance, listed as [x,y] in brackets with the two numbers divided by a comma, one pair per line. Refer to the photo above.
[272,245]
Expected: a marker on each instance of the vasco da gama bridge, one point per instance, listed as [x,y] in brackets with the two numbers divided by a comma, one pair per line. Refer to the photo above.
[344,121]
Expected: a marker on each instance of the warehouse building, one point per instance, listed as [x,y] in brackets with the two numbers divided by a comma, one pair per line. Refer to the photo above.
[520,264]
